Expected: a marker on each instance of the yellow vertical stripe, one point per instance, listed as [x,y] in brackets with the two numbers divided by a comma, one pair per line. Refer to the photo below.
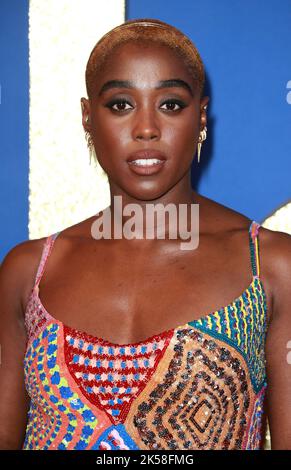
[227,322]
[237,321]
[217,316]
[257,256]
[209,322]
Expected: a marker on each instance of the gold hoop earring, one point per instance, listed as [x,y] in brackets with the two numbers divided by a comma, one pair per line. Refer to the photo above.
[202,137]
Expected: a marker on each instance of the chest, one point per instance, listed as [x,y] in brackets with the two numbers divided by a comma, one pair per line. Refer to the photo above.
[127,296]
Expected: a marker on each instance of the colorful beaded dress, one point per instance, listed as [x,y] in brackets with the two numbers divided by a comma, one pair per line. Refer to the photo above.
[198,386]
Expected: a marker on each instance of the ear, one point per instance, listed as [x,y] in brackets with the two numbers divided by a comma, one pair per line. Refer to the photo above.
[86,114]
[203,115]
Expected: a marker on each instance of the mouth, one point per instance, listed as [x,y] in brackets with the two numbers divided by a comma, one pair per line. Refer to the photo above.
[146,162]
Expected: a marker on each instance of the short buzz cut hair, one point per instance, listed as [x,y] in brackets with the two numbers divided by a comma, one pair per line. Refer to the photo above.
[141,31]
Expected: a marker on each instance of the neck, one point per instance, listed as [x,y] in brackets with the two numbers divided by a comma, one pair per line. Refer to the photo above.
[160,215]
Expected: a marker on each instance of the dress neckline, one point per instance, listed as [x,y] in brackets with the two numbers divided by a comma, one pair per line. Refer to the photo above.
[256,280]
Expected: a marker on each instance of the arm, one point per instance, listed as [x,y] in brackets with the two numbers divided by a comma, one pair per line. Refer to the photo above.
[279,334]
[14,400]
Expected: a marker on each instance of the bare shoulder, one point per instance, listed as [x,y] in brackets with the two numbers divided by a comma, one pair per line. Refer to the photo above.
[22,251]
[274,246]
[278,247]
[18,268]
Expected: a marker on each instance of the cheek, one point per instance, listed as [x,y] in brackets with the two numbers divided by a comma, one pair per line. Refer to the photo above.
[181,138]
[107,136]
[178,133]
[183,128]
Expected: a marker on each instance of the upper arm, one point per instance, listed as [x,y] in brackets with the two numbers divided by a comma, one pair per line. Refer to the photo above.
[278,339]
[14,400]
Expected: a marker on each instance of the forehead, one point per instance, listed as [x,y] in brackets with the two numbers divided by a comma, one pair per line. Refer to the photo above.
[147,60]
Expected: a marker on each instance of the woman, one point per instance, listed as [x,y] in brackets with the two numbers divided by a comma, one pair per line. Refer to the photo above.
[136,343]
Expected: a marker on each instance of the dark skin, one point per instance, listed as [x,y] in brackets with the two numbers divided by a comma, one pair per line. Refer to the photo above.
[126,291]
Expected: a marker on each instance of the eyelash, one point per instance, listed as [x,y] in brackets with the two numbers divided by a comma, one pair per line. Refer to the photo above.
[122,100]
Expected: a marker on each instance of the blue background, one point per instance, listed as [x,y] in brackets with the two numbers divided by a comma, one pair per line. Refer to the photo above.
[14,123]
[246,49]
[245,46]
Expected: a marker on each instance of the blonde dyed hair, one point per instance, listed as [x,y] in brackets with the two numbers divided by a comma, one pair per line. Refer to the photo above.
[142,31]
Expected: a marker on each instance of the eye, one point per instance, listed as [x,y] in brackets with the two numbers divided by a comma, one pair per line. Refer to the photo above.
[174,103]
[119,105]
[120,102]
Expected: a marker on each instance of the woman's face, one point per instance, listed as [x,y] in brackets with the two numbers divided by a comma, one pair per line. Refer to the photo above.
[124,119]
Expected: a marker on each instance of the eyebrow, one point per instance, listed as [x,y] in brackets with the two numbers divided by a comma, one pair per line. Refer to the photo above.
[172,83]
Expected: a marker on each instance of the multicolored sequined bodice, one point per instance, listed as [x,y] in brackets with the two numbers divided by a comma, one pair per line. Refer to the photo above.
[198,386]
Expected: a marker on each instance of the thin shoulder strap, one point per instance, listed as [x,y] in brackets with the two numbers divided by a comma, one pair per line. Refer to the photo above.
[47,248]
[254,248]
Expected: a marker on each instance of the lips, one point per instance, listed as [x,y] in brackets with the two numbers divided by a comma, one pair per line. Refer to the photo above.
[154,161]
[146,154]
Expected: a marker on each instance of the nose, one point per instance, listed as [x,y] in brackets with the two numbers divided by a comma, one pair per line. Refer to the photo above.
[146,126]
